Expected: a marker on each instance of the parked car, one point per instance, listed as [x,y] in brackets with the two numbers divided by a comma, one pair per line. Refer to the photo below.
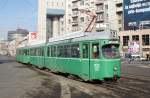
[137,57]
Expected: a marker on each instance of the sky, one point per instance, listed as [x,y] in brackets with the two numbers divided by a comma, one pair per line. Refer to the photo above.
[17,14]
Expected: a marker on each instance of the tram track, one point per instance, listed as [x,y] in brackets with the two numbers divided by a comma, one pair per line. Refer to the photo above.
[120,87]
[136,77]
[124,89]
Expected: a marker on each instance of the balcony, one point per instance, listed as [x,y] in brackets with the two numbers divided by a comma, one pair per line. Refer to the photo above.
[99,29]
[119,9]
[119,2]
[75,23]
[75,0]
[99,2]
[75,14]
[100,20]
[75,7]
[99,10]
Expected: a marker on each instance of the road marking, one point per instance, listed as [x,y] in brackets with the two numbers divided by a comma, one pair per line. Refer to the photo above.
[65,90]
[144,66]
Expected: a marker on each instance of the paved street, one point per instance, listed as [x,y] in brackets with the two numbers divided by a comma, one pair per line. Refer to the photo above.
[21,81]
[137,68]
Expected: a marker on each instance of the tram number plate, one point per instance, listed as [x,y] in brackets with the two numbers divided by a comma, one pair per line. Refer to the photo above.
[113,42]
[96,67]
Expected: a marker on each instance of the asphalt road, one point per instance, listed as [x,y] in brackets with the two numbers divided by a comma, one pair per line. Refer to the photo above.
[21,81]
[137,68]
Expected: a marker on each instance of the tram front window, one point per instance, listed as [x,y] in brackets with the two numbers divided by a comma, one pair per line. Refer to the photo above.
[110,51]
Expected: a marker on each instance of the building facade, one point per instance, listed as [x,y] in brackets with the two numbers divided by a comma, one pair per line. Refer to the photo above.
[3,47]
[13,35]
[50,19]
[136,28]
[58,17]
[107,18]
[142,37]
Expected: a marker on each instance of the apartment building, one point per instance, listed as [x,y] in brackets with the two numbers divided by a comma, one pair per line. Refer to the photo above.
[58,17]
[107,18]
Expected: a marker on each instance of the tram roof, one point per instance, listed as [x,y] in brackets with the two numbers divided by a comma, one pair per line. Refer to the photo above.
[83,36]
[37,45]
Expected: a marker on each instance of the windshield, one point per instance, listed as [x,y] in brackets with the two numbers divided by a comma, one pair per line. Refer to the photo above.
[111,51]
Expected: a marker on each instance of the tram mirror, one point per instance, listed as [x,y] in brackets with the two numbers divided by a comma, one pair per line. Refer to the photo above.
[95,49]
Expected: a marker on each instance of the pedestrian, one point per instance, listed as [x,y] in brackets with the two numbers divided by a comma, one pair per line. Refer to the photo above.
[130,57]
[147,57]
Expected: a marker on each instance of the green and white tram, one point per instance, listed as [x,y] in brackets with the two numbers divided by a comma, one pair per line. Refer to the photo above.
[91,56]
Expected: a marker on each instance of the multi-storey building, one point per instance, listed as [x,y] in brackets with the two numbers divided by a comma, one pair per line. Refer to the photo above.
[106,17]
[136,28]
[13,35]
[50,19]
[3,47]
[57,17]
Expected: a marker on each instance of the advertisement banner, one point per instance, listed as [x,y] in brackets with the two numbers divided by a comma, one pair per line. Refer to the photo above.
[134,47]
[136,14]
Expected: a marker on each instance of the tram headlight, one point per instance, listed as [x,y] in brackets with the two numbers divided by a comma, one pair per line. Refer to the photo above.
[115,68]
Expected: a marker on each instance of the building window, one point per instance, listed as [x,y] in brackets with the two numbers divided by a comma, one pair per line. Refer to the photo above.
[145,40]
[125,40]
[69,6]
[106,7]
[82,19]
[120,29]
[100,17]
[82,2]
[62,23]
[100,7]
[119,21]
[69,21]
[135,37]
[75,19]
[119,38]
[62,29]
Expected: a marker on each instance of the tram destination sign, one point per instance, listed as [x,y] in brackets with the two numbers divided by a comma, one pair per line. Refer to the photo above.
[136,14]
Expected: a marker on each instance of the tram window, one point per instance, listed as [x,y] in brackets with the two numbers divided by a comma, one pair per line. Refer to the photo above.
[53,51]
[42,52]
[37,52]
[60,51]
[75,53]
[48,51]
[27,52]
[67,51]
[85,51]
[111,51]
[32,52]
[95,51]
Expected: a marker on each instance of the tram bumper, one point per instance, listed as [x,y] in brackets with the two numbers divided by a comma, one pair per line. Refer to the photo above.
[108,69]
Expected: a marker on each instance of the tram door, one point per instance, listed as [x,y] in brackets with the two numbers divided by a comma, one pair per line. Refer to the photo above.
[94,60]
[85,60]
